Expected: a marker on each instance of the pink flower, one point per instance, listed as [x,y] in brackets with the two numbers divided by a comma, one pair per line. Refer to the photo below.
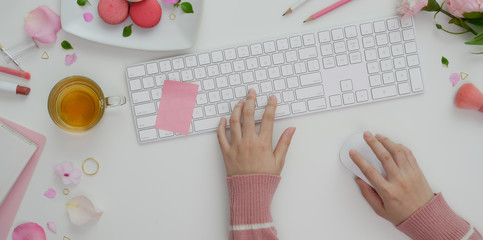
[171,1]
[459,7]
[42,24]
[409,8]
[69,59]
[69,174]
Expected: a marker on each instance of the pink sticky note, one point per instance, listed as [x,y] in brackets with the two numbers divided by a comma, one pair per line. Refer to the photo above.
[176,106]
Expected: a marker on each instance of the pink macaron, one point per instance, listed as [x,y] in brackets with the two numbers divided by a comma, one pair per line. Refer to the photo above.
[146,14]
[113,11]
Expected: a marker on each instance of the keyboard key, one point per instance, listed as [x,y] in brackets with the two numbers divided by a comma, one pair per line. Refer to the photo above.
[386,65]
[371,54]
[136,71]
[239,66]
[368,42]
[384,92]
[350,32]
[178,63]
[292,82]
[309,79]
[282,110]
[146,135]
[307,53]
[410,47]
[187,75]
[240,92]
[282,44]
[413,60]
[300,67]
[269,46]
[401,75]
[339,47]
[223,108]
[375,80]
[279,98]
[372,67]
[204,59]
[346,85]
[144,109]
[408,34]
[384,52]
[199,85]
[299,107]
[243,51]
[406,22]
[135,84]
[404,88]
[252,63]
[174,76]
[266,87]
[256,49]
[235,79]
[210,110]
[140,97]
[221,82]
[200,73]
[399,63]
[288,96]
[209,84]
[416,79]
[395,37]
[278,85]
[152,68]
[313,65]
[217,56]
[324,36]
[145,122]
[287,70]
[309,39]
[388,78]
[265,61]
[335,101]
[209,123]
[309,92]
[381,39]
[164,134]
[212,70]
[201,99]
[337,34]
[248,77]
[230,54]
[379,26]
[397,50]
[274,72]
[355,57]
[295,42]
[278,58]
[160,79]
[329,62]
[326,49]
[348,98]
[291,56]
[317,104]
[197,112]
[156,93]
[191,61]
[366,28]
[392,24]
[225,68]
[214,96]
[342,60]
[227,94]
[261,74]
[361,96]
[262,101]
[353,44]
[258,114]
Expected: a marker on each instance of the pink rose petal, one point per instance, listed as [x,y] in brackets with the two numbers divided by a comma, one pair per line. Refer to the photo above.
[29,231]
[69,59]
[88,17]
[50,193]
[454,78]
[52,226]
[42,24]
[81,210]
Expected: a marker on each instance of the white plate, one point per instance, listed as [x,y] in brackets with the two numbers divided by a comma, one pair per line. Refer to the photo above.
[176,34]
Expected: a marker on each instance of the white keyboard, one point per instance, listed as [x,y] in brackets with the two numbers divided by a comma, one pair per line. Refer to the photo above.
[308,72]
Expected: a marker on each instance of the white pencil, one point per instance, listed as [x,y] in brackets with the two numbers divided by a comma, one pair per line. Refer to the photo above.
[294,6]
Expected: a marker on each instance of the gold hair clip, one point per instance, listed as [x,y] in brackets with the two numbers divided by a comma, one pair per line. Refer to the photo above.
[66,191]
[66,238]
[463,75]
[84,163]
[45,55]
[172,16]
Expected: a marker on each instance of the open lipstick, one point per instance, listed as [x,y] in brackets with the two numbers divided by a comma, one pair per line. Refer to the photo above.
[14,88]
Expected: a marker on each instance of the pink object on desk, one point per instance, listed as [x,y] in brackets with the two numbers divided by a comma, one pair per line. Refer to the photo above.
[14,72]
[176,106]
[327,10]
[9,208]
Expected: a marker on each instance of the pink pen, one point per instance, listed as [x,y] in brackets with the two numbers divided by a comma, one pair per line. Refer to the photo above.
[14,72]
[327,10]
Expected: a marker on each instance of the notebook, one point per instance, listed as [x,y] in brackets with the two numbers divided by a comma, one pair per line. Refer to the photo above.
[15,152]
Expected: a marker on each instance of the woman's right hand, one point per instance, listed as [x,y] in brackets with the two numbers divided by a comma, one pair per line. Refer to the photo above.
[403,191]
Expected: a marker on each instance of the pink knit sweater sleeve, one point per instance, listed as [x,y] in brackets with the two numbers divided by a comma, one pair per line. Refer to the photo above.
[437,221]
[250,200]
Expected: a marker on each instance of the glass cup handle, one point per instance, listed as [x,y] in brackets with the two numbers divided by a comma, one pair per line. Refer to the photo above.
[115,101]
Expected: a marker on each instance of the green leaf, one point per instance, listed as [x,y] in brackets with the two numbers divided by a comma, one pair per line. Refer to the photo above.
[126,32]
[83,2]
[444,61]
[478,53]
[473,15]
[432,6]
[66,45]
[438,26]
[478,40]
[477,22]
[455,21]
[187,8]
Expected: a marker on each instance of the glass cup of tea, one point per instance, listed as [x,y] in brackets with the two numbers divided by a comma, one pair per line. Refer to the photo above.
[77,103]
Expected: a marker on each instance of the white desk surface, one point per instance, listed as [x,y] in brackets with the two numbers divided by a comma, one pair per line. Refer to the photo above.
[162,191]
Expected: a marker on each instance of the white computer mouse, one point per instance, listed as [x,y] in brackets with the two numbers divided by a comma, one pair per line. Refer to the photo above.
[358,143]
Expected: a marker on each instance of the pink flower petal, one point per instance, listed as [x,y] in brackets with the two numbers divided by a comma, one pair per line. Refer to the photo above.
[52,226]
[29,231]
[42,24]
[454,78]
[66,171]
[81,210]
[88,17]
[171,1]
[50,193]
[69,59]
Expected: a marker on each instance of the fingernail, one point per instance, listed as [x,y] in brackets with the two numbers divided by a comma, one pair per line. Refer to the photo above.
[240,102]
[251,91]
[379,136]
[367,134]
[352,152]
[272,98]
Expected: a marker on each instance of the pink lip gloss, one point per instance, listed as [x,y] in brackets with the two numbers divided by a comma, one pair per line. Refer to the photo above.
[14,88]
